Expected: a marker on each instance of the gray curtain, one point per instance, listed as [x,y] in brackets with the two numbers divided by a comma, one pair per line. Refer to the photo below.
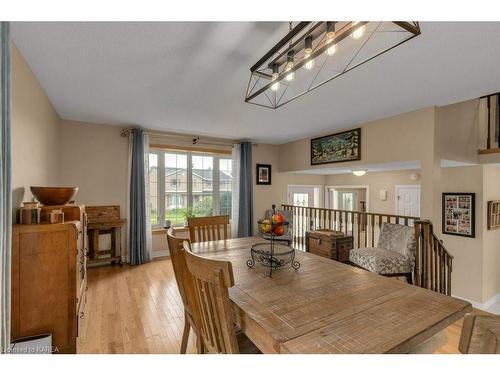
[5,189]
[138,236]
[245,217]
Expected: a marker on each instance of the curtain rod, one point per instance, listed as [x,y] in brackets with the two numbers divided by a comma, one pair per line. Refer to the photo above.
[181,138]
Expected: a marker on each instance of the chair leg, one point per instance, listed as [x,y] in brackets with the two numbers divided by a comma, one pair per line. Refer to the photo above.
[199,345]
[185,335]
[409,278]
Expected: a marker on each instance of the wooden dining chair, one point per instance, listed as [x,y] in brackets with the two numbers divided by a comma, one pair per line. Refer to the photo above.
[480,334]
[212,279]
[185,285]
[208,228]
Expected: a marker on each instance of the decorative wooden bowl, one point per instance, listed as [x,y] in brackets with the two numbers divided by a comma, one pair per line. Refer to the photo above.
[53,196]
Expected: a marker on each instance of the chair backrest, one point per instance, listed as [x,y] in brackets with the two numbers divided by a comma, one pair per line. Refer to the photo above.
[480,335]
[398,238]
[212,279]
[208,228]
[181,272]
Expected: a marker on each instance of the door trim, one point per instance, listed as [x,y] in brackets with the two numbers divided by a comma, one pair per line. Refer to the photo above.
[291,186]
[396,200]
[367,187]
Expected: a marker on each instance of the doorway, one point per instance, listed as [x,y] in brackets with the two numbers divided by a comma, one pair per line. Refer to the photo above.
[347,197]
[407,200]
[304,195]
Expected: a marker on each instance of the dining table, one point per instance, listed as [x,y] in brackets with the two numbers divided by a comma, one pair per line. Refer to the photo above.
[329,307]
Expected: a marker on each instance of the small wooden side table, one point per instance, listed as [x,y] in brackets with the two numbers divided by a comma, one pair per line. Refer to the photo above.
[108,227]
[104,220]
[329,244]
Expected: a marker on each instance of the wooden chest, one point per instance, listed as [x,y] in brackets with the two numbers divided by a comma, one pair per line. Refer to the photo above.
[329,244]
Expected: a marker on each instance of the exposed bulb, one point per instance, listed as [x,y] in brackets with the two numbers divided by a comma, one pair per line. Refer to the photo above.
[276,85]
[359,32]
[290,76]
[330,51]
[309,64]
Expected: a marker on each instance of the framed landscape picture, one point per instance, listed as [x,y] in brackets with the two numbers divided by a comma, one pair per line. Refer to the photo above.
[458,217]
[335,148]
[263,174]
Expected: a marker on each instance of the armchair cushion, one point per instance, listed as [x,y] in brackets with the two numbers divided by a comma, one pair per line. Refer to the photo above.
[381,261]
[398,238]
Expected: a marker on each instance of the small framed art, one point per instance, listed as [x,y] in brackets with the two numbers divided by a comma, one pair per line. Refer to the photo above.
[263,174]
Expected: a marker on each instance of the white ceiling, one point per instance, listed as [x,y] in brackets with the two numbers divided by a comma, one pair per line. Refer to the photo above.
[191,77]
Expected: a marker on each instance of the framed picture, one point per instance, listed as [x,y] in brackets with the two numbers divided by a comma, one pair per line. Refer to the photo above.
[335,148]
[459,214]
[263,174]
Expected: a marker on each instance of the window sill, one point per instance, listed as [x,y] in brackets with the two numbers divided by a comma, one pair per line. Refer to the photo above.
[164,231]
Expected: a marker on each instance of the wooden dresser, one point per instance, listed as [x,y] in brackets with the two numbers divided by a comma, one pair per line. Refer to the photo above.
[329,244]
[49,280]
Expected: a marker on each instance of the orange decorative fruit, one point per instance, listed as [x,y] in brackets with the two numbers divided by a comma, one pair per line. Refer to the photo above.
[279,230]
[278,219]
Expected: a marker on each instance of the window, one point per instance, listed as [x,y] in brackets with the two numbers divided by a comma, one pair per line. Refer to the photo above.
[188,183]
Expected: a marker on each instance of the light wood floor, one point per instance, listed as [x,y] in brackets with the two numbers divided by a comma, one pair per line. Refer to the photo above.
[139,310]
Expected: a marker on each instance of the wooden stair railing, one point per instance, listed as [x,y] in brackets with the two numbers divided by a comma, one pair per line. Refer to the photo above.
[433,263]
[363,226]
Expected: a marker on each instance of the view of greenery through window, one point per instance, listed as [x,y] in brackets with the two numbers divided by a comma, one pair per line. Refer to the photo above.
[184,184]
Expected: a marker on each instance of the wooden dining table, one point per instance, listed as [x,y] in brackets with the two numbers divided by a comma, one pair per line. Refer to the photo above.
[329,307]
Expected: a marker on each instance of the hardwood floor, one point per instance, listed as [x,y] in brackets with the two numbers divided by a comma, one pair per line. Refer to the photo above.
[139,310]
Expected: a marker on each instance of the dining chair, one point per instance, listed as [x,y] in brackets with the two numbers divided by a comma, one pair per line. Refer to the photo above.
[185,285]
[212,279]
[480,334]
[208,228]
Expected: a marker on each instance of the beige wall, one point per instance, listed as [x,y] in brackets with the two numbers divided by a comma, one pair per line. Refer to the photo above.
[376,181]
[398,138]
[491,238]
[457,132]
[264,196]
[35,133]
[94,157]
[467,252]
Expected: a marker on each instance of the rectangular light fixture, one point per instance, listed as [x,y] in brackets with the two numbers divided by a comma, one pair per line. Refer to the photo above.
[313,53]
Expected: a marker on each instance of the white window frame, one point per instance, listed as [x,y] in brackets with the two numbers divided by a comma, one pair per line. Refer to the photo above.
[161,180]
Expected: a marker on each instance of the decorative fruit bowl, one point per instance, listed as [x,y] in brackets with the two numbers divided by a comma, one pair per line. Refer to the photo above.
[273,253]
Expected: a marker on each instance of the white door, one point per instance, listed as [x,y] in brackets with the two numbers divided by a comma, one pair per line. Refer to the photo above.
[408,200]
[301,196]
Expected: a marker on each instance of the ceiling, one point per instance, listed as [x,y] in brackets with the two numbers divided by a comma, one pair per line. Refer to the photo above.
[191,77]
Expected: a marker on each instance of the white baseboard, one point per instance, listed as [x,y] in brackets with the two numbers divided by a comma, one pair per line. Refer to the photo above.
[485,306]
[162,253]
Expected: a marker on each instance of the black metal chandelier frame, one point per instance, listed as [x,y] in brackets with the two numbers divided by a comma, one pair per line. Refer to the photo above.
[272,67]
